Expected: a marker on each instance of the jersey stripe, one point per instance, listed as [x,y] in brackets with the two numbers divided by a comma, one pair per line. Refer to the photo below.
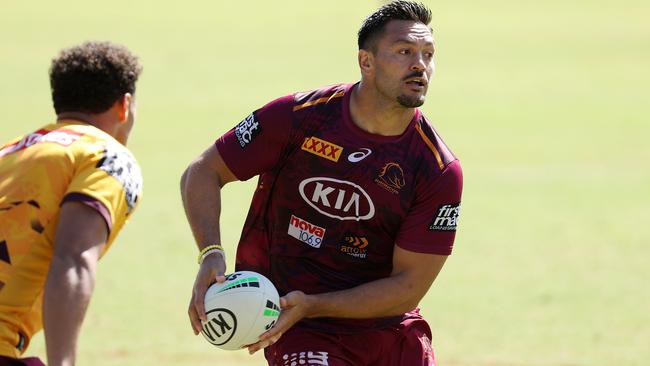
[430,145]
[318,101]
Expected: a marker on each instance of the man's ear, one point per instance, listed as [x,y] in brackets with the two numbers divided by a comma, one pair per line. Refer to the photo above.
[366,62]
[123,107]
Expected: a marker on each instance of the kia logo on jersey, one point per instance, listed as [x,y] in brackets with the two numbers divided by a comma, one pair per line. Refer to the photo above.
[338,199]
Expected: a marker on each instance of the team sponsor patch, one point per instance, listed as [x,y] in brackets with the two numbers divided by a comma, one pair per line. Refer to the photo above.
[306,232]
[337,199]
[391,178]
[446,218]
[305,359]
[354,246]
[247,130]
[61,137]
[357,156]
[121,165]
[322,148]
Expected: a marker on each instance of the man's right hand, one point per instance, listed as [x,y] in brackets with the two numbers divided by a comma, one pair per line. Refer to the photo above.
[212,270]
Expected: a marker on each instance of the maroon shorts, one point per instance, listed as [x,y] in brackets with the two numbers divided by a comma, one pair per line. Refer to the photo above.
[408,343]
[29,361]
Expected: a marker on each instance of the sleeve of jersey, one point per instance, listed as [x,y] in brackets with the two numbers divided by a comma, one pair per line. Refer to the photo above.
[430,226]
[110,176]
[255,144]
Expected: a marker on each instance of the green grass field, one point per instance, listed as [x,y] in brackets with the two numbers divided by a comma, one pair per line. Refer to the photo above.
[545,102]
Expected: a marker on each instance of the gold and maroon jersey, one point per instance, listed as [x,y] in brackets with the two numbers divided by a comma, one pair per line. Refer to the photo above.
[334,200]
[65,161]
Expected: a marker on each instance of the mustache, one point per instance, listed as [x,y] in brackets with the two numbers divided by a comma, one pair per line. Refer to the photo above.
[416,74]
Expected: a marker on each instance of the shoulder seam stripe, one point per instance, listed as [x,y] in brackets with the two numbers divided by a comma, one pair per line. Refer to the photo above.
[318,101]
[430,145]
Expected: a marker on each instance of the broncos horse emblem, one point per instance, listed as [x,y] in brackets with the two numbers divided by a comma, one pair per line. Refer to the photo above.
[391,177]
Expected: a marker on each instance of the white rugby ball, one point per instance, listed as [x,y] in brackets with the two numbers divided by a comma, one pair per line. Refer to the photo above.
[240,310]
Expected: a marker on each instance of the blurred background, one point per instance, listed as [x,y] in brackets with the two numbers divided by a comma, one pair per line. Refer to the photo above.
[545,102]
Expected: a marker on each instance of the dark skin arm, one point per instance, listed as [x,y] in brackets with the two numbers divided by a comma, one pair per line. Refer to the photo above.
[201,185]
[80,237]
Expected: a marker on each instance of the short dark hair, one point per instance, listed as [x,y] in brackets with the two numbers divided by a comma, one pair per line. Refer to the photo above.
[90,77]
[374,24]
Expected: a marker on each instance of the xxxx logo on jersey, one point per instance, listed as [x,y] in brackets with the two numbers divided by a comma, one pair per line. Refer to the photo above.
[322,148]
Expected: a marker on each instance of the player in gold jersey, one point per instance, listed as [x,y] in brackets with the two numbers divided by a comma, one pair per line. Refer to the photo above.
[66,190]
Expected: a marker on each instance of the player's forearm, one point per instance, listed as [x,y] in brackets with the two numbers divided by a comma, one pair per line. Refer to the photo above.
[68,290]
[201,195]
[390,296]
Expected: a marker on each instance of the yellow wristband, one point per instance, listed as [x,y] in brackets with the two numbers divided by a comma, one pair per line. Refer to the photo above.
[207,249]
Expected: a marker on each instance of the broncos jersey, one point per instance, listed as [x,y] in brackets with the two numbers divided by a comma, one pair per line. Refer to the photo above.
[333,200]
[65,161]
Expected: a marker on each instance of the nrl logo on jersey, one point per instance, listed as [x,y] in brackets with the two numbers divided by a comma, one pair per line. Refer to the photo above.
[247,130]
[337,199]
[447,218]
[322,148]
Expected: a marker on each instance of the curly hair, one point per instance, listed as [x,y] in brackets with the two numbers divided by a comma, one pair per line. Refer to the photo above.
[374,24]
[89,78]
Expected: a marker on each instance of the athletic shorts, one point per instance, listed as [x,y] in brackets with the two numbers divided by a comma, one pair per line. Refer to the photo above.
[407,343]
[29,361]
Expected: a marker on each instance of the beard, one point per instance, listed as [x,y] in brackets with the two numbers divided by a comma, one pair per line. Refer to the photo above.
[410,101]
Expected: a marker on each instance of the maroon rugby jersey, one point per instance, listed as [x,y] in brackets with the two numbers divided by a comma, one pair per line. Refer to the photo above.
[333,200]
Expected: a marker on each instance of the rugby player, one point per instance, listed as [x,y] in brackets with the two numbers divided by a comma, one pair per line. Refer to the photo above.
[66,191]
[356,207]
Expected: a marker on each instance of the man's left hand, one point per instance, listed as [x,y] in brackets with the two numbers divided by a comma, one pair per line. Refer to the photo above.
[295,306]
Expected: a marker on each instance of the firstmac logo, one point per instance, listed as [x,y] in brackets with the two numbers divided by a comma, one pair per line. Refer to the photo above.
[322,148]
[338,199]
[447,218]
[247,130]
